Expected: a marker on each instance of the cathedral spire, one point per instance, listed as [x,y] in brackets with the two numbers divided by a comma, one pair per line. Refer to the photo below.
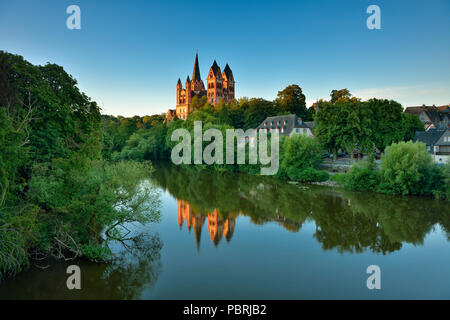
[196,73]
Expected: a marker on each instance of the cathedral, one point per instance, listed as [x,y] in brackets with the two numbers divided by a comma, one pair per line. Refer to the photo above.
[219,87]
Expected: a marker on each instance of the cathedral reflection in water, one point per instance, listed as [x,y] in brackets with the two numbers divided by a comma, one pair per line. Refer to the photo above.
[218,225]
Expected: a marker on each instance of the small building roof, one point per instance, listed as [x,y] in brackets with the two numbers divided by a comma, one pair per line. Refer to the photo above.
[435,114]
[441,141]
[288,122]
[429,137]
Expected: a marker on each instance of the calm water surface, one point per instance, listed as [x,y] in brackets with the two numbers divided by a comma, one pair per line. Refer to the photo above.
[230,236]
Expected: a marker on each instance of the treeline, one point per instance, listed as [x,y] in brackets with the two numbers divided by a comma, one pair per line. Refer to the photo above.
[147,138]
[347,123]
[58,197]
[342,123]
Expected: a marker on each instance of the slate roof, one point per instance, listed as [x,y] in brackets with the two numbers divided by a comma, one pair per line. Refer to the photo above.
[429,137]
[288,122]
[227,71]
[215,68]
[437,115]
[441,142]
[310,124]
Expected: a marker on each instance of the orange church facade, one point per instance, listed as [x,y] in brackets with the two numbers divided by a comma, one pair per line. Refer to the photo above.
[220,86]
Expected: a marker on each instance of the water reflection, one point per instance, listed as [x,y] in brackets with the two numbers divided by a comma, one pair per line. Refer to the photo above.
[346,221]
[218,225]
[212,202]
[136,267]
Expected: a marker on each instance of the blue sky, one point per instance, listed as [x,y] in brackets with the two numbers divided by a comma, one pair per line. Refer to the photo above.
[129,55]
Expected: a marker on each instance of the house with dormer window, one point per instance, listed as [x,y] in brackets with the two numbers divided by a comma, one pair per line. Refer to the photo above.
[286,125]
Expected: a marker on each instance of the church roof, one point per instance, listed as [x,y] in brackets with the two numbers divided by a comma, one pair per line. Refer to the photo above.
[215,68]
[227,71]
[196,72]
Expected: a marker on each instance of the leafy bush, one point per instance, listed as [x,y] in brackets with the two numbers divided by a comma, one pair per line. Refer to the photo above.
[446,174]
[408,168]
[96,252]
[307,174]
[444,191]
[362,176]
[85,201]
[301,152]
[144,145]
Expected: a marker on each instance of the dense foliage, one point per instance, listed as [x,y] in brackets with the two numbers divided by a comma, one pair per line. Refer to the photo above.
[363,176]
[349,124]
[301,156]
[406,168]
[57,196]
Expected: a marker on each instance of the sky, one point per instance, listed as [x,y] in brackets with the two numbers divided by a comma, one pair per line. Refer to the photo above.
[128,55]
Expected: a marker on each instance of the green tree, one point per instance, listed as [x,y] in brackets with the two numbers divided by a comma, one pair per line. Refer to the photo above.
[256,110]
[388,123]
[300,158]
[343,125]
[292,100]
[408,168]
[338,94]
[410,123]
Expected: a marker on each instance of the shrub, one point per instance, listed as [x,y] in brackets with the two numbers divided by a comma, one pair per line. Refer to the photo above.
[407,168]
[307,174]
[362,176]
[444,191]
[301,152]
[96,252]
[85,206]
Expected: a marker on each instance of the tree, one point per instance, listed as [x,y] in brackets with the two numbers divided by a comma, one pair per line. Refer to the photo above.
[198,103]
[410,123]
[256,111]
[338,94]
[301,156]
[292,100]
[386,123]
[343,125]
[407,168]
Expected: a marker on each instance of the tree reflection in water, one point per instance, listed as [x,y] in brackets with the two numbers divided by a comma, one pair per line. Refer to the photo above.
[347,221]
[136,267]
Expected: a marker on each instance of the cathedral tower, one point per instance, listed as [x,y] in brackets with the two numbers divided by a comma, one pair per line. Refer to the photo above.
[220,87]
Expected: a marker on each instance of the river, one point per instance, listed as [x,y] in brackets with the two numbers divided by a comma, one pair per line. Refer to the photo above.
[235,236]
